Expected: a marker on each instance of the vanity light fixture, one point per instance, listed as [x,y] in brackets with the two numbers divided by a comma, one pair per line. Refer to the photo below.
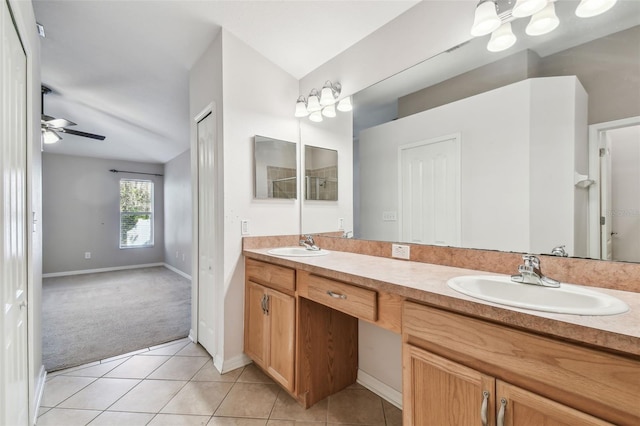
[492,16]
[323,103]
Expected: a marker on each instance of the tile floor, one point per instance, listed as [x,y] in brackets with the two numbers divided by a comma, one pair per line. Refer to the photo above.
[176,384]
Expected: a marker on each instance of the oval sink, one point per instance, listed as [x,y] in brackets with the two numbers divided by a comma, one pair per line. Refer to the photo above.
[566,299]
[297,251]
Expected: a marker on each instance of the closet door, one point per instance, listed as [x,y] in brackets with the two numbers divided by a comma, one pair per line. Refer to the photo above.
[14,392]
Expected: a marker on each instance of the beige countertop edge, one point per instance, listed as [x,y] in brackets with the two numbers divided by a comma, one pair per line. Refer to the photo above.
[616,333]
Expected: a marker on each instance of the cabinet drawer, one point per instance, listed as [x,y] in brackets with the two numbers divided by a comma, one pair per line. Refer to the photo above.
[356,301]
[273,276]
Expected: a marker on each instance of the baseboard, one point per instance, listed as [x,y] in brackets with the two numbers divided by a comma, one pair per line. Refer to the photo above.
[177,271]
[93,271]
[224,366]
[39,391]
[381,389]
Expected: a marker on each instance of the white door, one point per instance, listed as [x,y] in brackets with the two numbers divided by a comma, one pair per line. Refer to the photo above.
[606,221]
[206,133]
[430,191]
[14,393]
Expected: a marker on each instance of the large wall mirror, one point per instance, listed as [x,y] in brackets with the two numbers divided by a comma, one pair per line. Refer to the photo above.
[320,173]
[276,171]
[507,136]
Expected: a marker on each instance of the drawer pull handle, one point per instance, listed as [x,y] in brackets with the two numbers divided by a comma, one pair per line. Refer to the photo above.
[483,409]
[503,406]
[336,295]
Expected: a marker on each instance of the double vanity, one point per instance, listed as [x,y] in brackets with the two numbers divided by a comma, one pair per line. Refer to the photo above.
[486,363]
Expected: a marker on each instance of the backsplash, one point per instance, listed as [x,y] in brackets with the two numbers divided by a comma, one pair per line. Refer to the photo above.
[597,273]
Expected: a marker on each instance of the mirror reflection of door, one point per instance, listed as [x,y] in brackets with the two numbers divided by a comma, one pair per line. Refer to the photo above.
[620,196]
[430,191]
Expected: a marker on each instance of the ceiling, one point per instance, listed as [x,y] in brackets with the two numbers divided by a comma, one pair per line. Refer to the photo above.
[121,68]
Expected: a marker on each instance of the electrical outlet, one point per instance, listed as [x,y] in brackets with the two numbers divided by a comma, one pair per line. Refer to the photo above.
[341,224]
[244,227]
[87,255]
[400,251]
[389,216]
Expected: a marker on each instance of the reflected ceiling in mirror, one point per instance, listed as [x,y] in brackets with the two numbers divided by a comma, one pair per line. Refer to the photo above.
[602,52]
[275,171]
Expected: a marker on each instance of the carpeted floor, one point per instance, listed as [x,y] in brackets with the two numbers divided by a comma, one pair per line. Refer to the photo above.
[95,316]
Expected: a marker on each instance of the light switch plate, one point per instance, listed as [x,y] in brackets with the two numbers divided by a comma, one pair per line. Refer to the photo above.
[244,226]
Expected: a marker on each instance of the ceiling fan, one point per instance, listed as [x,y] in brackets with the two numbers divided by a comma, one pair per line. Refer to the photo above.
[51,126]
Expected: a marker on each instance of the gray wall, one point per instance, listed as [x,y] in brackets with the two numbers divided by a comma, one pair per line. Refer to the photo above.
[177,212]
[81,214]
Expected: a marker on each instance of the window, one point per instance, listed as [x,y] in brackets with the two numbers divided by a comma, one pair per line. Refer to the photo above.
[136,213]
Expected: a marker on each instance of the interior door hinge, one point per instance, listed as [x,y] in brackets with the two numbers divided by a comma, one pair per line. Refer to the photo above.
[602,151]
[602,220]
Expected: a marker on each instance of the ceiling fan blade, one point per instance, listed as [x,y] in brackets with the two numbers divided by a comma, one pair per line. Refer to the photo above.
[59,122]
[79,133]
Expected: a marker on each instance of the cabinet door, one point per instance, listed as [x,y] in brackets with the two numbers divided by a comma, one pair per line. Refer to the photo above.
[255,335]
[440,392]
[518,407]
[281,317]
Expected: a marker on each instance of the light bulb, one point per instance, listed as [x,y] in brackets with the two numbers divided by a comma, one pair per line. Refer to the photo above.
[589,8]
[329,111]
[316,116]
[544,21]
[49,137]
[301,107]
[345,104]
[313,102]
[486,19]
[502,38]
[524,8]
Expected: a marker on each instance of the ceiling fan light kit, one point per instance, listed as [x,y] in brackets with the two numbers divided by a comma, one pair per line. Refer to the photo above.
[51,127]
[492,16]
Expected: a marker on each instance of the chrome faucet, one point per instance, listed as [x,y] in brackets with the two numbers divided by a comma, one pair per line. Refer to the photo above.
[559,251]
[308,243]
[347,234]
[530,273]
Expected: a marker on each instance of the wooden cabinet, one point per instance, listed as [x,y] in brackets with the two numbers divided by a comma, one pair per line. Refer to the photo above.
[270,318]
[450,361]
[446,393]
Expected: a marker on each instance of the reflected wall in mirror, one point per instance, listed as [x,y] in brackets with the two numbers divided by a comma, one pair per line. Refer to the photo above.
[320,173]
[521,119]
[276,171]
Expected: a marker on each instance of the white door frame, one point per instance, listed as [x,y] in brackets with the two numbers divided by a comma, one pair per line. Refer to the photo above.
[456,137]
[596,132]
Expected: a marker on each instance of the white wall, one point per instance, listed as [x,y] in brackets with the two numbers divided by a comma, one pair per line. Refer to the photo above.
[258,99]
[252,97]
[177,212]
[81,205]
